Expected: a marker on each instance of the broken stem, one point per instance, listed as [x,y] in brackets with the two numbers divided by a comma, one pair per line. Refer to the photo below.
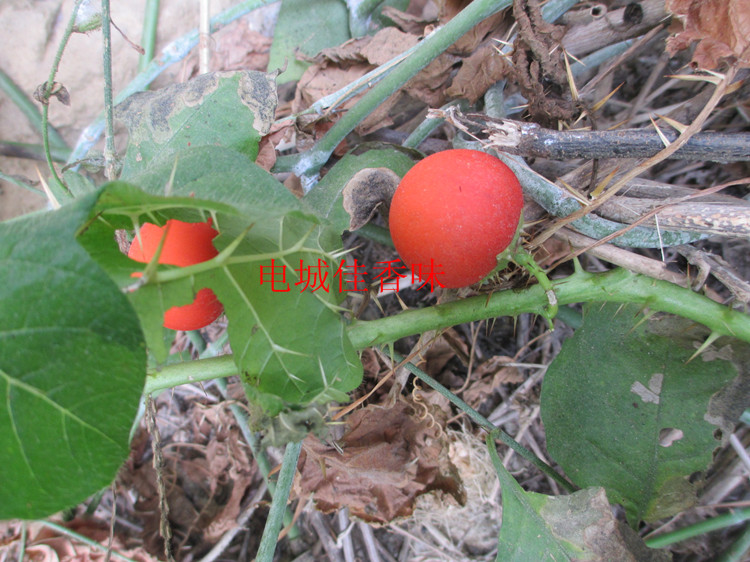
[532,140]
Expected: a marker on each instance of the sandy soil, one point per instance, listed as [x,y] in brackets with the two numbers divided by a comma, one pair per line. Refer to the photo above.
[31,31]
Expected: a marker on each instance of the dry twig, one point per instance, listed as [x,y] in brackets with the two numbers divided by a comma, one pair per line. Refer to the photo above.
[532,140]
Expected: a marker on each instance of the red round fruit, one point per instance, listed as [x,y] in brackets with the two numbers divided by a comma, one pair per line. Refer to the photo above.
[457,210]
[185,243]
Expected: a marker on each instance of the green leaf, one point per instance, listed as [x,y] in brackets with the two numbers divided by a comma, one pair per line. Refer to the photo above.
[72,366]
[288,341]
[123,206]
[308,27]
[624,409]
[229,109]
[290,346]
[580,526]
[219,174]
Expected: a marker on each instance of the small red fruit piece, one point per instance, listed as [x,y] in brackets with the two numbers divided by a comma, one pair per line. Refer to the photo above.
[186,243]
[457,209]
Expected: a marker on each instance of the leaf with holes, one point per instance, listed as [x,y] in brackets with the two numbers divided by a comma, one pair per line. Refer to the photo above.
[625,409]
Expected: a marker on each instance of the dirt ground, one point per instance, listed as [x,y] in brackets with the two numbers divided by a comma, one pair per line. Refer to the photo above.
[31,31]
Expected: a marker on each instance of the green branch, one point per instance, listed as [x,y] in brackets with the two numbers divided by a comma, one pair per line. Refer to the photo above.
[308,163]
[619,285]
[58,188]
[278,505]
[109,120]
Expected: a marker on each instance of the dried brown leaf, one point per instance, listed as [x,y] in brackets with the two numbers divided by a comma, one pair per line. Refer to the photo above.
[721,27]
[386,44]
[489,376]
[376,50]
[430,84]
[207,477]
[47,545]
[477,73]
[368,190]
[407,22]
[389,457]
[235,47]
[493,26]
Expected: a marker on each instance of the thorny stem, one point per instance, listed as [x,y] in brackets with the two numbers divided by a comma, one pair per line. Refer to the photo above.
[619,285]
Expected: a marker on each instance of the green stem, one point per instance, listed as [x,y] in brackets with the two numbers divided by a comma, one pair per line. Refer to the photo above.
[310,162]
[109,134]
[83,540]
[524,258]
[278,505]
[713,524]
[20,183]
[494,431]
[189,371]
[33,151]
[30,111]
[736,552]
[260,457]
[57,183]
[618,285]
[426,127]
[148,37]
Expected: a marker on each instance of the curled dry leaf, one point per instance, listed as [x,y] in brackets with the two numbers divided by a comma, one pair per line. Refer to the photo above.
[477,73]
[388,457]
[721,27]
[488,377]
[235,47]
[366,192]
[209,472]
